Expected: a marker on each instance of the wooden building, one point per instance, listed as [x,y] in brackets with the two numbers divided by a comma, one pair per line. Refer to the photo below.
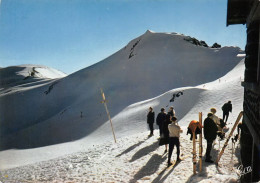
[248,12]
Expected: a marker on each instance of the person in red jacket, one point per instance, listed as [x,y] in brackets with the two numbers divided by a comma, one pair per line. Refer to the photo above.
[194,126]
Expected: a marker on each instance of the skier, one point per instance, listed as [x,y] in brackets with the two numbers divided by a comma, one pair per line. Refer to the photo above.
[150,120]
[226,108]
[171,111]
[174,135]
[160,119]
[164,140]
[210,134]
[194,126]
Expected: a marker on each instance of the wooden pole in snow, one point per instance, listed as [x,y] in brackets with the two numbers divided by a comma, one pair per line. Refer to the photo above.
[200,142]
[194,153]
[104,101]
[226,143]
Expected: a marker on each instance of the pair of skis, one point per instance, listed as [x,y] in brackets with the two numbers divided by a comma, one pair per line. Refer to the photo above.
[230,135]
[194,157]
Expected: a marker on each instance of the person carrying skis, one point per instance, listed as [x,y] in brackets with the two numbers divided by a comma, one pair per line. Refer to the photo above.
[161,117]
[226,108]
[174,135]
[210,134]
[150,120]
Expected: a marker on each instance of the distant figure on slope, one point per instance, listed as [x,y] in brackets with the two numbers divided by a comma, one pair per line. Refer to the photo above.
[174,135]
[210,134]
[164,140]
[226,108]
[171,111]
[150,120]
[194,126]
[161,117]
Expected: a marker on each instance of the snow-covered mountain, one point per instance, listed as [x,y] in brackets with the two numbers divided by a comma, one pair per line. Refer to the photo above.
[23,74]
[136,158]
[144,73]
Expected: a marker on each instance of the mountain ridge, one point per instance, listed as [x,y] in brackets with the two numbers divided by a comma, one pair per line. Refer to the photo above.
[160,62]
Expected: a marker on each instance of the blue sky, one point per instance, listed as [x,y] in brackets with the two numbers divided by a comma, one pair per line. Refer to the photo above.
[72,34]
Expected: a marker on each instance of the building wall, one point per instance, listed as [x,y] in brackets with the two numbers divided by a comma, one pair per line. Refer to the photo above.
[250,133]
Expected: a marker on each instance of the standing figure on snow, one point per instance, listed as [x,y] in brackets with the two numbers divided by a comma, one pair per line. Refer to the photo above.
[174,135]
[164,140]
[210,134]
[226,108]
[150,120]
[215,118]
[171,111]
[161,117]
[194,126]
[219,122]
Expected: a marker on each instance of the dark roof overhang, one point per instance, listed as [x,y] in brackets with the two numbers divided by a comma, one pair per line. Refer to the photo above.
[238,11]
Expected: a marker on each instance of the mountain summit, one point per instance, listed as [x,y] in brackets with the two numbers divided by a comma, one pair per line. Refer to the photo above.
[70,108]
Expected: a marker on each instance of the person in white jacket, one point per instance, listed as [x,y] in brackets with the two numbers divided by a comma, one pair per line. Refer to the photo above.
[174,135]
[216,118]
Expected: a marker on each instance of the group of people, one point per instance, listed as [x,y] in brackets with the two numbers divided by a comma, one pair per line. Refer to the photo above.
[214,126]
[170,130]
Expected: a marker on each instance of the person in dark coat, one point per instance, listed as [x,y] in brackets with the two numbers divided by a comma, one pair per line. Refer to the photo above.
[226,108]
[161,117]
[210,134]
[150,120]
[164,140]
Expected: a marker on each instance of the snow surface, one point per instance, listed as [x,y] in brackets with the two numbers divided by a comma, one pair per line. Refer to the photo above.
[134,158]
[50,119]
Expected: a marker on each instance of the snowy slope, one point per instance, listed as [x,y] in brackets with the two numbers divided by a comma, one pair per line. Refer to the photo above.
[194,99]
[17,75]
[135,158]
[68,109]
[132,119]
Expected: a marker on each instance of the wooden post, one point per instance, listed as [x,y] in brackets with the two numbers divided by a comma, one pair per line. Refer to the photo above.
[104,101]
[200,142]
[218,144]
[194,153]
[226,143]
